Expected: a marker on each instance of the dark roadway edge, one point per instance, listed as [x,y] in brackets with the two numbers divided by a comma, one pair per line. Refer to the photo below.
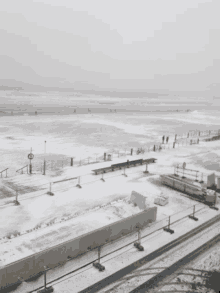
[170,270]
[128,269]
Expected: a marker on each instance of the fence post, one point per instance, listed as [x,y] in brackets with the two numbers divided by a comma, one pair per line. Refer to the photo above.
[102,177]
[146,171]
[193,215]
[99,254]
[131,152]
[201,178]
[44,168]
[139,236]
[46,289]
[174,145]
[71,164]
[183,173]
[97,264]
[196,176]
[78,185]
[138,243]
[104,156]
[168,228]
[16,200]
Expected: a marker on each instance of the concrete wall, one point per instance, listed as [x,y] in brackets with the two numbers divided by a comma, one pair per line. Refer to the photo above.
[138,199]
[34,264]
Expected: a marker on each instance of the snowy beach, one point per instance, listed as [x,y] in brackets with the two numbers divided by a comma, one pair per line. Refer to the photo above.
[72,212]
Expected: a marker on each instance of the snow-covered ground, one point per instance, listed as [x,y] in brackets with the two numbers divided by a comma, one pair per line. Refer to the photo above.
[44,220]
[86,136]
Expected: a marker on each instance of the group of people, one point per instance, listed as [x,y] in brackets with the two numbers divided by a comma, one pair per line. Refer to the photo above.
[167,139]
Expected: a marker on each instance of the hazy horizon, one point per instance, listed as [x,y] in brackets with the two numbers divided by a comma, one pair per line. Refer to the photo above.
[64,103]
[117,45]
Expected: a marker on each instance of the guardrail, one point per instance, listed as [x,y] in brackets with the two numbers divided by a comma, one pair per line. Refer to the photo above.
[5,170]
[63,180]
[22,169]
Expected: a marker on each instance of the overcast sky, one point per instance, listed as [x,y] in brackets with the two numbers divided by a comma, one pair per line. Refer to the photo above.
[124,44]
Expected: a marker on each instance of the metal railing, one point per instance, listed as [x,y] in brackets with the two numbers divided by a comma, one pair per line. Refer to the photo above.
[21,169]
[5,170]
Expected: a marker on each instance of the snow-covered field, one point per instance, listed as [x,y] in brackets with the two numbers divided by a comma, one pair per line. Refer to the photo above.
[44,220]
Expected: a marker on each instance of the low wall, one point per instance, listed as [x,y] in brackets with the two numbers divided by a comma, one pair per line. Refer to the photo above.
[34,264]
